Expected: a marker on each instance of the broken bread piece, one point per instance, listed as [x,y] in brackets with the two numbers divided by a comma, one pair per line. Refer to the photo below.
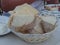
[20,20]
[26,9]
[37,28]
[22,23]
[48,23]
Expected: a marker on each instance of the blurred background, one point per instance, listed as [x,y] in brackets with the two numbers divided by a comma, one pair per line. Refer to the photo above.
[7,5]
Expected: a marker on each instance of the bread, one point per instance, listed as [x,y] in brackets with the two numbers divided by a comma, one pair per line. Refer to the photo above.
[24,18]
[26,9]
[22,22]
[37,28]
[51,8]
[48,23]
[54,8]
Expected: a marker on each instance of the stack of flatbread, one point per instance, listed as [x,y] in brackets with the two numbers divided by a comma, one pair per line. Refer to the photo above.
[25,19]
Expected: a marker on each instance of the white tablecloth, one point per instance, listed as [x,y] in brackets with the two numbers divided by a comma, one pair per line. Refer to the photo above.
[12,39]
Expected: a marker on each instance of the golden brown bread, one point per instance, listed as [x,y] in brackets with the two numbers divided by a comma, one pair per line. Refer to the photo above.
[37,28]
[48,23]
[25,28]
[47,27]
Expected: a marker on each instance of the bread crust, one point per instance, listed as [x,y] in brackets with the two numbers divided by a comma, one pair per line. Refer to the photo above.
[47,27]
[24,28]
[37,28]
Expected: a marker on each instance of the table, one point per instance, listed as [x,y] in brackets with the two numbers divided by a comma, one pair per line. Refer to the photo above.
[12,39]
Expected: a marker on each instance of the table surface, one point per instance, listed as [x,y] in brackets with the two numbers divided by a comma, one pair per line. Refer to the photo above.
[12,39]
